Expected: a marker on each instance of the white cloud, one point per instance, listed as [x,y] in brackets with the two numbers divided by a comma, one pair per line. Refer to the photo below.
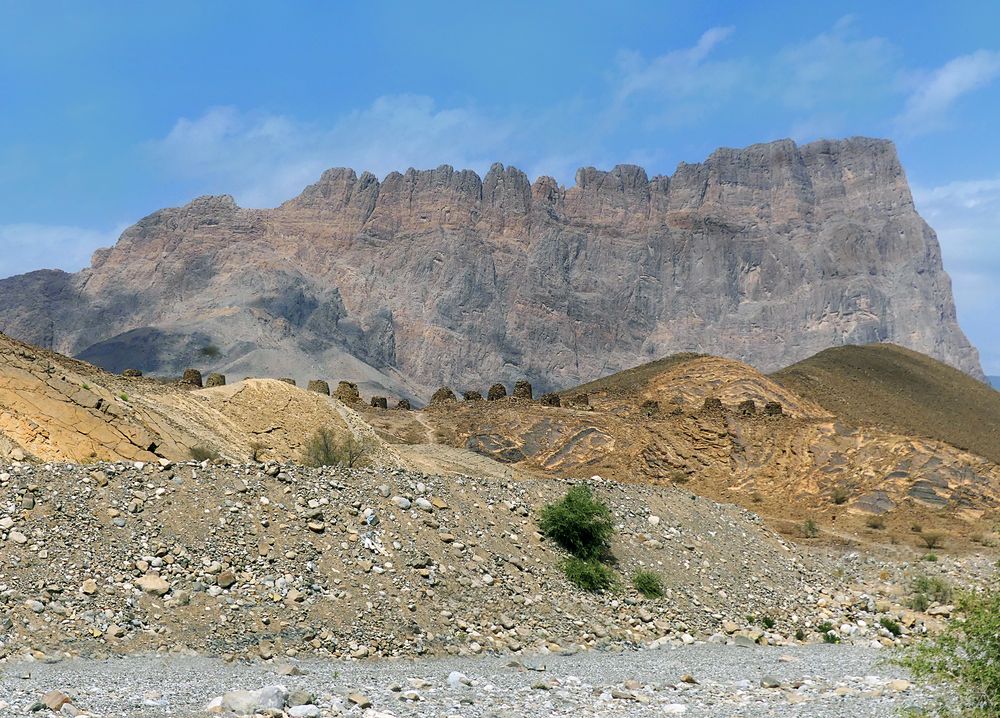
[966,216]
[26,247]
[929,104]
[264,159]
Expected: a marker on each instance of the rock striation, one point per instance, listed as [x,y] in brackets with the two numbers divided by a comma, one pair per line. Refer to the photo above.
[765,254]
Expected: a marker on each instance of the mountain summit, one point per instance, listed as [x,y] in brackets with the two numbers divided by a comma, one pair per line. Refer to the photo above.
[766,254]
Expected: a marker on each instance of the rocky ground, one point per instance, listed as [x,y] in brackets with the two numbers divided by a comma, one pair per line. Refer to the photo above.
[701,681]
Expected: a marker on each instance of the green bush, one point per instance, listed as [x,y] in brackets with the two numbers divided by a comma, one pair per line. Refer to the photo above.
[767,622]
[579,523]
[891,626]
[932,539]
[934,588]
[810,529]
[840,495]
[966,657]
[588,574]
[648,584]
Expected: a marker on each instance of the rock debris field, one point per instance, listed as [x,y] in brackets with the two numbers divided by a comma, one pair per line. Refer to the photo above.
[142,589]
[700,681]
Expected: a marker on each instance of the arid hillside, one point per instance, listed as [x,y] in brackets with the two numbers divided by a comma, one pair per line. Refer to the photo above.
[902,391]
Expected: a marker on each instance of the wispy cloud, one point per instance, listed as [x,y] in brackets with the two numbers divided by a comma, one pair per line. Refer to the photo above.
[929,106]
[27,247]
[264,159]
[966,216]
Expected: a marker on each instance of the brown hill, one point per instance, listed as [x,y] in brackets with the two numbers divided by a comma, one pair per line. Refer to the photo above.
[901,391]
[767,254]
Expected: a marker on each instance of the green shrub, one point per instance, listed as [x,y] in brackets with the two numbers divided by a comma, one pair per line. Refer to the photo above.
[579,523]
[891,626]
[648,584]
[840,495]
[324,449]
[800,635]
[934,587]
[203,453]
[810,529]
[767,622]
[965,657]
[825,627]
[588,574]
[875,522]
[932,557]
[831,637]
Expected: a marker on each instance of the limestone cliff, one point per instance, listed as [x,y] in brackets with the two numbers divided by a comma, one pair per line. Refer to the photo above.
[766,254]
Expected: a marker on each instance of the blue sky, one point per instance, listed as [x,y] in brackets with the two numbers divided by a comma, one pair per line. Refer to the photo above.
[111,110]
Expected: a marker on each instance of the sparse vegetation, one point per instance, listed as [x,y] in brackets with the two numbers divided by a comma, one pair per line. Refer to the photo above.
[932,539]
[965,657]
[891,626]
[800,635]
[579,523]
[828,632]
[767,622]
[324,449]
[810,529]
[648,583]
[927,589]
[203,453]
[589,574]
[875,522]
[840,495]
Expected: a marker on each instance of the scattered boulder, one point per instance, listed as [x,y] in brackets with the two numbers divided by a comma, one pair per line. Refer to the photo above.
[773,408]
[403,405]
[497,391]
[55,700]
[191,377]
[522,389]
[215,379]
[712,405]
[287,380]
[442,396]
[319,386]
[472,396]
[347,392]
[380,402]
[650,408]
[747,408]
[154,584]
[132,373]
[550,399]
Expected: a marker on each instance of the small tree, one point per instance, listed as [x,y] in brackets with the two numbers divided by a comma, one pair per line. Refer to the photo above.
[579,523]
[323,449]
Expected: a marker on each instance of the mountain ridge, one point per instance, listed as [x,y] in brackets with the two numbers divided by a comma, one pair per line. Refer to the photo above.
[765,254]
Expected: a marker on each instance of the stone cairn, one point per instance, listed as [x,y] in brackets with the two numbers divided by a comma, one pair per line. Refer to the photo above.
[773,408]
[380,402]
[442,397]
[472,396]
[319,386]
[497,391]
[550,399]
[403,405]
[650,408]
[747,408]
[191,377]
[215,379]
[712,405]
[347,392]
[522,389]
[132,373]
[287,380]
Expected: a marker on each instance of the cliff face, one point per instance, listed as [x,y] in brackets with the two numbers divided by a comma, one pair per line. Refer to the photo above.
[766,254]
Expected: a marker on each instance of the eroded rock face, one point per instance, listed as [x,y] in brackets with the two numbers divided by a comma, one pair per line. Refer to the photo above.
[766,254]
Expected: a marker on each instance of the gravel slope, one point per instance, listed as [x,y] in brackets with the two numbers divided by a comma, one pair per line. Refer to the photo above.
[836,681]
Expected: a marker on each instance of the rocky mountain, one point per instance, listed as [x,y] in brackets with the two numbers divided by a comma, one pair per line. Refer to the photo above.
[766,254]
